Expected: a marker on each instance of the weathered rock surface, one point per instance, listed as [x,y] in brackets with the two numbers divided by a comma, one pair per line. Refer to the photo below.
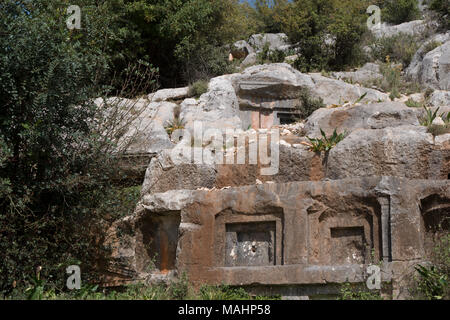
[268,81]
[371,116]
[338,92]
[250,60]
[367,73]
[408,152]
[275,41]
[316,221]
[440,98]
[241,49]
[433,70]
[415,27]
[297,234]
[169,94]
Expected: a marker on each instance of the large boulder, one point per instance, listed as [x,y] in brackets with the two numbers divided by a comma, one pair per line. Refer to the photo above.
[334,91]
[275,41]
[369,72]
[217,108]
[416,62]
[241,49]
[169,94]
[275,81]
[433,70]
[351,118]
[406,151]
[439,98]
[415,27]
[250,60]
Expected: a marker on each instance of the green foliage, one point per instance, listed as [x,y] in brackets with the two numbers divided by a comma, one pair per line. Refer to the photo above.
[328,32]
[267,15]
[226,292]
[270,56]
[428,116]
[198,88]
[308,104]
[177,123]
[59,150]
[433,284]
[399,48]
[435,129]
[414,104]
[325,143]
[187,39]
[430,46]
[179,289]
[392,81]
[442,7]
[399,11]
[349,292]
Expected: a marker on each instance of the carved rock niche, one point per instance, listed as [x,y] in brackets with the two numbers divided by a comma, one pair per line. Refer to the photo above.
[248,240]
[344,236]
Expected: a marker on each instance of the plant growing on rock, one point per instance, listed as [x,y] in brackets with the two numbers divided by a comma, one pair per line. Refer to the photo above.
[177,123]
[432,281]
[428,117]
[350,292]
[400,48]
[432,284]
[442,7]
[198,88]
[308,104]
[413,104]
[270,56]
[325,143]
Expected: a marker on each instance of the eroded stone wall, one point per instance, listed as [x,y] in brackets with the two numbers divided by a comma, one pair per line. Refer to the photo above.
[292,234]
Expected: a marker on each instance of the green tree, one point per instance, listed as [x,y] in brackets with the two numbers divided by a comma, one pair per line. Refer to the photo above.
[52,156]
[399,11]
[327,31]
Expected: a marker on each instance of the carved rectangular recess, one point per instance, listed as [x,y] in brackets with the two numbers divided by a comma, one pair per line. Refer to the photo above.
[250,244]
[237,233]
[348,245]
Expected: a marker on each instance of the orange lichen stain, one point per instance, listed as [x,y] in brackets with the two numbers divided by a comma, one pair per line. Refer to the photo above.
[316,172]
[164,252]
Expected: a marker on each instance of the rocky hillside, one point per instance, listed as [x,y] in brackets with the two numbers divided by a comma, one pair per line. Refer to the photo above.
[358,174]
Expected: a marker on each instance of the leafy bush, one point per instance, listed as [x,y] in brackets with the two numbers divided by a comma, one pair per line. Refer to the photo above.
[432,284]
[198,88]
[442,7]
[308,104]
[325,143]
[223,292]
[433,281]
[328,32]
[270,56]
[399,48]
[60,151]
[399,11]
[392,81]
[430,46]
[350,292]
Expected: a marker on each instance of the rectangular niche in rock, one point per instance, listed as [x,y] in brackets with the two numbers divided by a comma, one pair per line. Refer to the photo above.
[250,244]
[348,245]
